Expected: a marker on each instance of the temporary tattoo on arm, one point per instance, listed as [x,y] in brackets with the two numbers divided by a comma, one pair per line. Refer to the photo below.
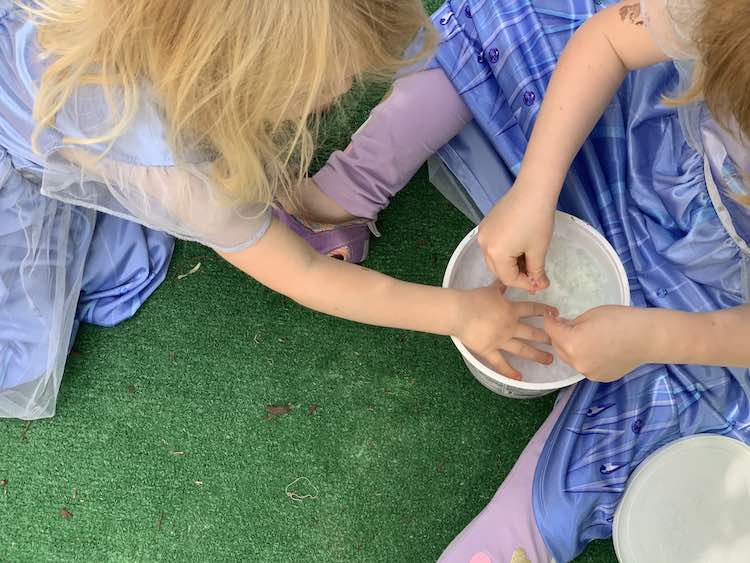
[631,13]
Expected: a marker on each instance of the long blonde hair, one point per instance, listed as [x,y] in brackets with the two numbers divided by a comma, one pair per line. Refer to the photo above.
[239,79]
[722,77]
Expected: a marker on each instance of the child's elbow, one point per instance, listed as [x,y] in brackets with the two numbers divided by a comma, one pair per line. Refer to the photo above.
[624,30]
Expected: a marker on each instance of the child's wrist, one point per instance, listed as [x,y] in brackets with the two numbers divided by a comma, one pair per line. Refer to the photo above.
[540,181]
[674,337]
[457,307]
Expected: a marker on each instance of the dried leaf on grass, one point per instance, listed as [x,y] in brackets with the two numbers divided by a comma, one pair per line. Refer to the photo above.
[192,271]
[272,411]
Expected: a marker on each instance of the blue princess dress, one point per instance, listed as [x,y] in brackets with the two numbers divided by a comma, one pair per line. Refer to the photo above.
[658,183]
[84,238]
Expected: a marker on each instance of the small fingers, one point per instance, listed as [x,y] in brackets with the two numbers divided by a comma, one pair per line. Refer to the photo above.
[528,332]
[526,309]
[508,273]
[560,353]
[498,363]
[540,281]
[535,270]
[524,350]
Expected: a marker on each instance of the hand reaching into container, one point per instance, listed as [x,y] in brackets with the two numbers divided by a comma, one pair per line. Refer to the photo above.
[515,236]
[606,342]
[491,324]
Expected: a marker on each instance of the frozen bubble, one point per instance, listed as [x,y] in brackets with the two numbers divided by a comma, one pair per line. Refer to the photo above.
[577,281]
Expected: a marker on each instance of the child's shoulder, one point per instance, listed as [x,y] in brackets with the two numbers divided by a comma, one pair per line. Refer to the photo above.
[672,24]
[86,114]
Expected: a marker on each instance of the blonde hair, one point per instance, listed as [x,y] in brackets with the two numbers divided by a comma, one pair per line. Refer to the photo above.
[722,76]
[239,79]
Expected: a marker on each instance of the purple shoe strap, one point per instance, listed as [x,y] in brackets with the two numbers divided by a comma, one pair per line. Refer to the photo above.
[326,239]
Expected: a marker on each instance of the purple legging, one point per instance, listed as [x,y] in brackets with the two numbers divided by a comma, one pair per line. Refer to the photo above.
[507,523]
[421,115]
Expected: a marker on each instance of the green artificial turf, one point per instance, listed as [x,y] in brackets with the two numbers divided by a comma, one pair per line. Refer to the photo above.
[161,449]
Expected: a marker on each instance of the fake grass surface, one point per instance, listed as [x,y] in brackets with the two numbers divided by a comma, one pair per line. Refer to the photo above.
[163,450]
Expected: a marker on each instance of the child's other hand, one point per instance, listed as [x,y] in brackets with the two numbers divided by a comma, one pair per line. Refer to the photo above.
[491,323]
[313,204]
[604,343]
[514,237]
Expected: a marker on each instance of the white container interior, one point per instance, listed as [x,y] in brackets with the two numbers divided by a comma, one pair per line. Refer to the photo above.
[687,503]
[584,272]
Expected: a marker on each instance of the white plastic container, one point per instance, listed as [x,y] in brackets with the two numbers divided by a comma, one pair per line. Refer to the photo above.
[585,272]
[689,502]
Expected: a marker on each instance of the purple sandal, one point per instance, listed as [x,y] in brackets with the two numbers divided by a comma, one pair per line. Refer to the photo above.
[349,242]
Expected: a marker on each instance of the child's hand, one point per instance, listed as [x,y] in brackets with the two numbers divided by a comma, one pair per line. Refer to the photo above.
[491,323]
[514,237]
[604,343]
[312,204]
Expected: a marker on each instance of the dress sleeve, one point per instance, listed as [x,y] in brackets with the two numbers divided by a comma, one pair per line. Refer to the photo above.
[672,25]
[136,178]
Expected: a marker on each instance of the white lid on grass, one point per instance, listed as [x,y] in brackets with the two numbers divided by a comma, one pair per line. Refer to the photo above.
[689,502]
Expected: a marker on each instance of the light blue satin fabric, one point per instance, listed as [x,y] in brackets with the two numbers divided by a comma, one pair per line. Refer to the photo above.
[637,181]
[59,264]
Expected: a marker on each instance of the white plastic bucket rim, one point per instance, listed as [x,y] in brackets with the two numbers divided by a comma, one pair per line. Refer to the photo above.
[535,388]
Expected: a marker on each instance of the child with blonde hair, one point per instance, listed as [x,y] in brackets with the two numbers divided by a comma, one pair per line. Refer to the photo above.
[531,104]
[124,120]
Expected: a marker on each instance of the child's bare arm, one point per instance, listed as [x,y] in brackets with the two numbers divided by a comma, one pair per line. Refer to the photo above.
[718,338]
[722,338]
[592,67]
[607,342]
[285,264]
[483,319]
